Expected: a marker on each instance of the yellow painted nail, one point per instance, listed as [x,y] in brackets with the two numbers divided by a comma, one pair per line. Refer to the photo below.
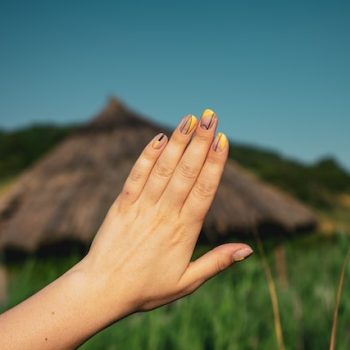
[220,142]
[188,124]
[208,112]
[207,119]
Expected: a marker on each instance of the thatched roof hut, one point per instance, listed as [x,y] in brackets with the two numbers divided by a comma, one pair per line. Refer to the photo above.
[67,193]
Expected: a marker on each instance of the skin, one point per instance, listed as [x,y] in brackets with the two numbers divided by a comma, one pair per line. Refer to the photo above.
[140,258]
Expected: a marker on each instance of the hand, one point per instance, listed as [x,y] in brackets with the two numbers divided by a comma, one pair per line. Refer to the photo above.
[141,256]
[142,251]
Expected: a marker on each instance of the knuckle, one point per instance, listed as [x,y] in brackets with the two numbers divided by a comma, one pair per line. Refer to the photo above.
[136,175]
[195,212]
[187,170]
[212,159]
[222,263]
[189,288]
[198,216]
[204,190]
[165,216]
[126,197]
[121,205]
[147,156]
[127,191]
[163,170]
[179,139]
[162,218]
[202,137]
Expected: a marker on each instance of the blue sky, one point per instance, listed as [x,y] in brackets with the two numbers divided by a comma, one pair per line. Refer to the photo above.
[276,72]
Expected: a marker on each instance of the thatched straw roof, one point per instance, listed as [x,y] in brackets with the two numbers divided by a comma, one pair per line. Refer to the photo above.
[67,193]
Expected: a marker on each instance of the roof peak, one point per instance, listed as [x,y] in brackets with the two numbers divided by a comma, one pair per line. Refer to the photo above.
[114,115]
[114,105]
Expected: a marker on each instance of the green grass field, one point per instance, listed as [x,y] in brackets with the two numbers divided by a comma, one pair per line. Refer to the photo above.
[233,310]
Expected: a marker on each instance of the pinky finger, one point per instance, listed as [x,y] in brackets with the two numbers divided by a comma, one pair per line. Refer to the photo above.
[141,170]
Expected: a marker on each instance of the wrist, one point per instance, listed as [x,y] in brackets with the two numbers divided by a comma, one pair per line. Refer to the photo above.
[105,299]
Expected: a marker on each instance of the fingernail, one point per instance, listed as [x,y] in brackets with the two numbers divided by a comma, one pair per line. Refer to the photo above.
[159,141]
[188,124]
[220,142]
[207,119]
[242,254]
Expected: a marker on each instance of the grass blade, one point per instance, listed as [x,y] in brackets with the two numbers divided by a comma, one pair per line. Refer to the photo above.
[272,291]
[337,302]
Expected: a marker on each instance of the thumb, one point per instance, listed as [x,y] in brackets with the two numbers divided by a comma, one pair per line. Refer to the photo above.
[213,262]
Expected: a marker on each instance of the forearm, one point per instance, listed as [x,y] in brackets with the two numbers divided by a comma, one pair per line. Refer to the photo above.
[62,315]
[140,258]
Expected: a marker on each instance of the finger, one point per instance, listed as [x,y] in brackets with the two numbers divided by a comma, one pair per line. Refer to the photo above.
[167,162]
[213,262]
[203,192]
[142,168]
[191,163]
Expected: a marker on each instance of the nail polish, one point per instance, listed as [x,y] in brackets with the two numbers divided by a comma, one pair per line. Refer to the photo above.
[242,254]
[207,119]
[159,141]
[220,142]
[188,124]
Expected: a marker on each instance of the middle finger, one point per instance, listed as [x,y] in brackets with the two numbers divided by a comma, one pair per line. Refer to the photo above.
[191,162]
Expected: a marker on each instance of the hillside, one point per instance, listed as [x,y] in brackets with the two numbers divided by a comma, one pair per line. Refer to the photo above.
[20,148]
[316,184]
